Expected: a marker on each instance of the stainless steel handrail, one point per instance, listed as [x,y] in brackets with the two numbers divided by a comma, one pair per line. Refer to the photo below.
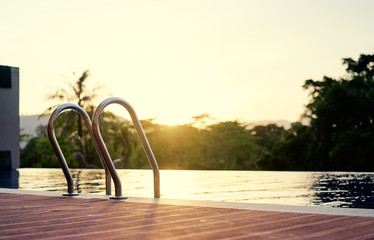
[59,154]
[143,139]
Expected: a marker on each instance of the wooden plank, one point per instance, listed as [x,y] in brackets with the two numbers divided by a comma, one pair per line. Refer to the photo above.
[46,217]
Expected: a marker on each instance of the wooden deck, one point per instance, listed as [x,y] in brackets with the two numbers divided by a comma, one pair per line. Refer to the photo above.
[53,217]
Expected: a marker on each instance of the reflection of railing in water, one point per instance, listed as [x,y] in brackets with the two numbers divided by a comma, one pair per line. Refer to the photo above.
[101,149]
[77,184]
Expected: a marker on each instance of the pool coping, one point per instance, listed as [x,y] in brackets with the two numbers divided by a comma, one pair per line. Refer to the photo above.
[360,212]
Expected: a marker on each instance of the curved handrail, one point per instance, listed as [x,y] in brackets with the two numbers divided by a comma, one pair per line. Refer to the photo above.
[59,154]
[142,137]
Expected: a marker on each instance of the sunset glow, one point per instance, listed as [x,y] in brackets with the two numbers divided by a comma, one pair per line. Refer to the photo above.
[241,60]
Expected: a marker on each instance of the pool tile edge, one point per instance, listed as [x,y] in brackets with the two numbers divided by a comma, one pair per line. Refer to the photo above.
[203,203]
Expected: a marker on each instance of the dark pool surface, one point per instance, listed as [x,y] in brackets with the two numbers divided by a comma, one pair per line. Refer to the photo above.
[328,189]
[353,190]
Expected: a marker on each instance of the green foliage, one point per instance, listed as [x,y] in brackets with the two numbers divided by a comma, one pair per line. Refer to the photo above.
[229,145]
[340,135]
[225,145]
[291,151]
[267,136]
[173,145]
[39,153]
[341,114]
[341,131]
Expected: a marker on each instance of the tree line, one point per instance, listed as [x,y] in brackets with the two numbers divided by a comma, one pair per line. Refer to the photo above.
[339,136]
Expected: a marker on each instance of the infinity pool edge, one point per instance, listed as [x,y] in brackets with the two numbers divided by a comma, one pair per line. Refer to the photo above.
[204,203]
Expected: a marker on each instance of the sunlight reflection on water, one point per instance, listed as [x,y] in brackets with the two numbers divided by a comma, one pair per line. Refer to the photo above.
[270,187]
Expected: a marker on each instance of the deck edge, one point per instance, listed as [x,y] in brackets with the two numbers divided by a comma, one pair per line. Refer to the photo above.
[215,204]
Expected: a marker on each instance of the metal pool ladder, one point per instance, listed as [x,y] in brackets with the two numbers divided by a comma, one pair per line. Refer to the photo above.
[60,155]
[100,146]
[143,139]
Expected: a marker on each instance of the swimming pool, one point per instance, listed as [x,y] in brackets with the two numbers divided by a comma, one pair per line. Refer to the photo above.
[332,189]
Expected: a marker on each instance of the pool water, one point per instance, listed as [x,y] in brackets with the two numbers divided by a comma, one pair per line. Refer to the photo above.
[332,189]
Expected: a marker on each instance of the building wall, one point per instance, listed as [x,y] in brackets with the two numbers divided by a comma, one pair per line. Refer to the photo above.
[9,118]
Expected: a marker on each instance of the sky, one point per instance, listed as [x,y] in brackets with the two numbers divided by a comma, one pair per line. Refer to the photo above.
[171,59]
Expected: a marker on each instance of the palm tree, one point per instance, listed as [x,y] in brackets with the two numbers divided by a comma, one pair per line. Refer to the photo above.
[72,126]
